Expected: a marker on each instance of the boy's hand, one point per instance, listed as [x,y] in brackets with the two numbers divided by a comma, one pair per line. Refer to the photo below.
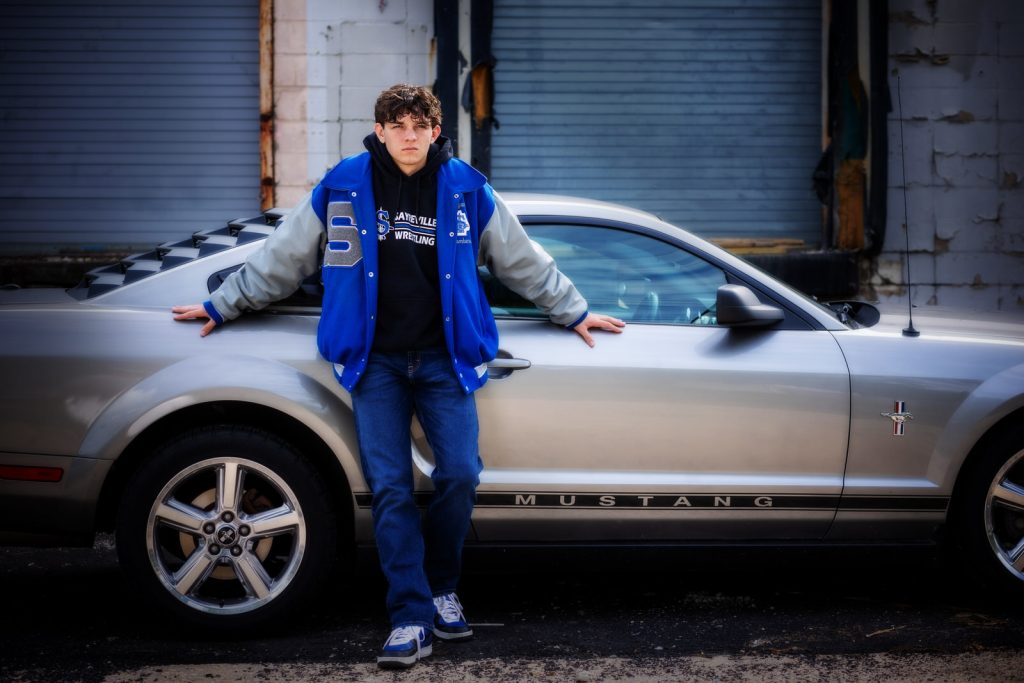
[198,312]
[600,322]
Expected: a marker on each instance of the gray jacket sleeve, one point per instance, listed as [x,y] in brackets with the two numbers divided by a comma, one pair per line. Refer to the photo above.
[524,267]
[288,256]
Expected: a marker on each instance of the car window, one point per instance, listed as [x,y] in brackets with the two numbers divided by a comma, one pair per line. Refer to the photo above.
[620,273]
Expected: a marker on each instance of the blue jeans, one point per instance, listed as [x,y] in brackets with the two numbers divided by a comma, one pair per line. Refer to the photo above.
[420,558]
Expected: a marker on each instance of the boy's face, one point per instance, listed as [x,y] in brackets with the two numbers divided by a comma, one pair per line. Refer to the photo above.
[408,141]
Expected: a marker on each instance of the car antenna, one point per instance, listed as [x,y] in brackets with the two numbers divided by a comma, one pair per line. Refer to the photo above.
[909,330]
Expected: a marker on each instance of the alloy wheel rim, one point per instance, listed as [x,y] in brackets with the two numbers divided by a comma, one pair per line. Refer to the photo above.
[1004,515]
[226,535]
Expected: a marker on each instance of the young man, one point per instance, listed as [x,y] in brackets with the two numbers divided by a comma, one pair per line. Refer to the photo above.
[398,233]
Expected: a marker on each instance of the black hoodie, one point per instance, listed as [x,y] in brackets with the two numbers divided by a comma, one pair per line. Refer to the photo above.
[409,291]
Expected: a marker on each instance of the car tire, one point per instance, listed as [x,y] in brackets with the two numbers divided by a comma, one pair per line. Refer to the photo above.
[227,528]
[989,513]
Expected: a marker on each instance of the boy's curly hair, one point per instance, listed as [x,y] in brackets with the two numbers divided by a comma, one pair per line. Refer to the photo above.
[401,99]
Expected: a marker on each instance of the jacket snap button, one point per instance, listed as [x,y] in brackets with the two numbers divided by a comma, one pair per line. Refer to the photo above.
[371,273]
[456,195]
[364,232]
[451,234]
[447,276]
[353,194]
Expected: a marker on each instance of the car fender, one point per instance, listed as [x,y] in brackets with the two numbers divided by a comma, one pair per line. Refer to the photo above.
[990,402]
[237,378]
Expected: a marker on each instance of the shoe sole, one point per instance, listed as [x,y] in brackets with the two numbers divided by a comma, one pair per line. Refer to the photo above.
[405,662]
[452,637]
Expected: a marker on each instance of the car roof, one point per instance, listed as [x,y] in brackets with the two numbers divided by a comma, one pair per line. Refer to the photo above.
[537,204]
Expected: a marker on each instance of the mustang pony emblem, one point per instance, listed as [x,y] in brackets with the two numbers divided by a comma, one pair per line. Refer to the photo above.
[899,417]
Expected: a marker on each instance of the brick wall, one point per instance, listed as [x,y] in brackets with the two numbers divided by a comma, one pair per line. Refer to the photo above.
[961,63]
[331,59]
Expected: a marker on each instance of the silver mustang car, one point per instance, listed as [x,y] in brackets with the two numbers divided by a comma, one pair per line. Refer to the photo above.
[732,410]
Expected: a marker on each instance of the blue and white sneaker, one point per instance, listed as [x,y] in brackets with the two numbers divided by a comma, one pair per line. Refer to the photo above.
[405,646]
[449,621]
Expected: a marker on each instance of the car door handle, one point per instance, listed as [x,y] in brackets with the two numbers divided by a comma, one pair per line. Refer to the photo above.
[509,363]
[499,368]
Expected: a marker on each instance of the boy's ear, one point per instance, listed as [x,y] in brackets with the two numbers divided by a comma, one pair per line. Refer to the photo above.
[435,133]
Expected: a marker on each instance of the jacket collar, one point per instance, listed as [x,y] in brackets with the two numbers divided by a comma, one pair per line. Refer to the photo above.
[354,172]
[460,176]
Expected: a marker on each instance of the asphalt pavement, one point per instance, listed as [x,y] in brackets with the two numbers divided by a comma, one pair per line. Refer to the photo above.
[714,614]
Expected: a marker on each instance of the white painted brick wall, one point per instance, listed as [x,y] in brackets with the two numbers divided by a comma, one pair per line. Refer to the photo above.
[381,44]
[332,58]
[291,101]
[961,63]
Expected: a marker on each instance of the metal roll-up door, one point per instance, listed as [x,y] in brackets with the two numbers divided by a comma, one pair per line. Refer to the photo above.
[708,114]
[126,122]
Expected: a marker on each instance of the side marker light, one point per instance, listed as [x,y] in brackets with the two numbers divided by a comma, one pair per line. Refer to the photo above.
[25,473]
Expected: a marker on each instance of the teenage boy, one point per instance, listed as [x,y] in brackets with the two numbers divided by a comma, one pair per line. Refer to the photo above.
[398,233]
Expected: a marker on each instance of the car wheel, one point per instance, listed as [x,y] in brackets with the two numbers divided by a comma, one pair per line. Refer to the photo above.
[227,526]
[990,513]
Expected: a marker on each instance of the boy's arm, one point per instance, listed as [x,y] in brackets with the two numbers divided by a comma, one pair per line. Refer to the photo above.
[285,259]
[529,271]
[526,269]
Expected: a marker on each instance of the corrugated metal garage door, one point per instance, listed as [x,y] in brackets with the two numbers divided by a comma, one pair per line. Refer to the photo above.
[708,114]
[126,122]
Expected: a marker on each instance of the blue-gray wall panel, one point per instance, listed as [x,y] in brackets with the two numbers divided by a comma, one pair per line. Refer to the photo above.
[708,114]
[126,123]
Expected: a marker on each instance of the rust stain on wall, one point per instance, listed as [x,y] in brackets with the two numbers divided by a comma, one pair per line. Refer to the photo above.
[850,186]
[959,117]
[919,55]
[266,37]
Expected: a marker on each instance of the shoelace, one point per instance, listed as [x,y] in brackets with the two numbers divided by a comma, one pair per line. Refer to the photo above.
[448,607]
[404,634]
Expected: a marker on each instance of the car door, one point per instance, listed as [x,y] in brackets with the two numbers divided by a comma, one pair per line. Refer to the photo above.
[677,429]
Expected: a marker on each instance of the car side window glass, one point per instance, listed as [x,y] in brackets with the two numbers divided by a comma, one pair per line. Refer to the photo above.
[628,275]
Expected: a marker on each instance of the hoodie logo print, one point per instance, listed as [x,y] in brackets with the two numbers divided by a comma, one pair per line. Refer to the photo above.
[343,247]
[407,226]
[383,224]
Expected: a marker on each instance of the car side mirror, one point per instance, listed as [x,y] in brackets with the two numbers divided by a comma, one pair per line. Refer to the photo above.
[737,306]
